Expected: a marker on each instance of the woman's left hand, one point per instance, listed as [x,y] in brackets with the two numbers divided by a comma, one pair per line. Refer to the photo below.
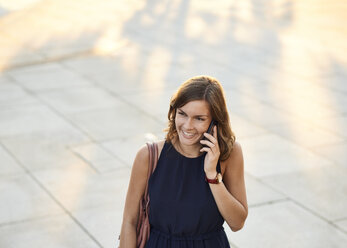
[213,152]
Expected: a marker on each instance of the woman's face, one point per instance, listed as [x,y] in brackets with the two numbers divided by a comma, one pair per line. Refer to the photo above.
[192,121]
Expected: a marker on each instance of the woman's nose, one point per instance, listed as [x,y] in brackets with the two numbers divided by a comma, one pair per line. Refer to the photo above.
[188,124]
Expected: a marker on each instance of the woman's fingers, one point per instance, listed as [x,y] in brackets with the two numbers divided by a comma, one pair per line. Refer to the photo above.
[215,135]
[210,137]
[207,142]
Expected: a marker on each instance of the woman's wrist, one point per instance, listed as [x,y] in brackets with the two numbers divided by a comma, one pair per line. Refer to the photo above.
[211,174]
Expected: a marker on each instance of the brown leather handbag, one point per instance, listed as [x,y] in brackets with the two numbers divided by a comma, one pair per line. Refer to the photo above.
[143,226]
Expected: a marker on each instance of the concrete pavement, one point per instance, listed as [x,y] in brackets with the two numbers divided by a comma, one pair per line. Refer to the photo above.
[84,84]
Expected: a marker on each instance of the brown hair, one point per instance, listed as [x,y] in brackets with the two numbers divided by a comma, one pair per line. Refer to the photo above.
[208,89]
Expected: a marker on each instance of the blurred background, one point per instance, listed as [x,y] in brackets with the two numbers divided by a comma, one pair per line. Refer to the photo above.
[84,84]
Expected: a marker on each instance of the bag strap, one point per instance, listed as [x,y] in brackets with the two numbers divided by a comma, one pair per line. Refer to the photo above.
[153,159]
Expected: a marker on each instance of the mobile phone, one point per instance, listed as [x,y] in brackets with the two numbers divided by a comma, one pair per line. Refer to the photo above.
[209,130]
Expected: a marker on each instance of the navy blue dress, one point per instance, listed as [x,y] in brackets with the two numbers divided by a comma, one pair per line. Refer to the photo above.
[183,212]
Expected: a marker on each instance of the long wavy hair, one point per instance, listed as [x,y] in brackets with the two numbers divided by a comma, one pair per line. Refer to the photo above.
[209,89]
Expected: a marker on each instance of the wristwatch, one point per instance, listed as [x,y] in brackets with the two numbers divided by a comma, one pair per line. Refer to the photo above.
[216,180]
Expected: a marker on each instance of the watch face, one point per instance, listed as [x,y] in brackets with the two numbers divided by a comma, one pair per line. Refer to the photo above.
[219,177]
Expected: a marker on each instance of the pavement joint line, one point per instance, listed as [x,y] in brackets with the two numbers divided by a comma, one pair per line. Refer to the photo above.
[65,210]
[80,54]
[86,161]
[340,219]
[98,143]
[48,60]
[269,202]
[259,180]
[116,157]
[124,164]
[135,106]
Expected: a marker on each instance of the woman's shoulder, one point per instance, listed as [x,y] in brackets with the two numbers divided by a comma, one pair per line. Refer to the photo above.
[236,149]
[160,144]
[235,157]
[143,152]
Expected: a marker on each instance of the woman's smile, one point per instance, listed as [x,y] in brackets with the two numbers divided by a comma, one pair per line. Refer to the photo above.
[188,135]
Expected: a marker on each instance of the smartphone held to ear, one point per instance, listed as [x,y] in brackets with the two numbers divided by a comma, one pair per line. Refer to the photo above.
[209,130]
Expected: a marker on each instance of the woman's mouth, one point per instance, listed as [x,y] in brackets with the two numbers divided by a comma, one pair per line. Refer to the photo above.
[188,135]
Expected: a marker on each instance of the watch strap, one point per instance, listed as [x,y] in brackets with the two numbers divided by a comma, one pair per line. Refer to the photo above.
[214,180]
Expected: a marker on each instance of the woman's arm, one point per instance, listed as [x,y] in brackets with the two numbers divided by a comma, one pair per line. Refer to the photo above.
[136,189]
[230,195]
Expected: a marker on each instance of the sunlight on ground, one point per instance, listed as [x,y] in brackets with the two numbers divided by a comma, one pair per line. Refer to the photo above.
[305,41]
[310,49]
[157,68]
[55,29]
[11,5]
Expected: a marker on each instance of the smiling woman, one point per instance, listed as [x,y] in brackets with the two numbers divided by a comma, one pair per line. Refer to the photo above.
[198,182]
[203,95]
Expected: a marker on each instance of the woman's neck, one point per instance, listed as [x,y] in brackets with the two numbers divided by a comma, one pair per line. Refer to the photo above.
[188,151]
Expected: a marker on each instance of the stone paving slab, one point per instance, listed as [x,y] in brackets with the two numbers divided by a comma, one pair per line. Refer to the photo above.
[45,149]
[70,101]
[308,135]
[276,156]
[13,94]
[47,76]
[315,188]
[284,224]
[243,128]
[103,124]
[104,216]
[125,148]
[54,231]
[82,188]
[336,125]
[316,103]
[151,102]
[342,224]
[30,119]
[259,193]
[92,152]
[334,152]
[264,115]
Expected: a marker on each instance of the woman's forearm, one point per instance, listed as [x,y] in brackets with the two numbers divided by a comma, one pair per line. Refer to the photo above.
[230,208]
[128,236]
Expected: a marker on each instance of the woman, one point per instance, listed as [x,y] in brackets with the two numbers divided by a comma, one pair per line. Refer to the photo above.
[194,188]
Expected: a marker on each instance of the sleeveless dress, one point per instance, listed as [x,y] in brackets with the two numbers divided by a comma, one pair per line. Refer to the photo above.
[183,212]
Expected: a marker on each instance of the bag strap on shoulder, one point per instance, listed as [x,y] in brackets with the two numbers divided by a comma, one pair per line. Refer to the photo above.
[153,159]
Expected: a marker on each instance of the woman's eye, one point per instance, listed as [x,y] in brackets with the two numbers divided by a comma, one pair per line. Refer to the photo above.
[200,119]
[180,113]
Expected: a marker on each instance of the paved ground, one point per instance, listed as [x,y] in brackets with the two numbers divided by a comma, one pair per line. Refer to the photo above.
[84,84]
